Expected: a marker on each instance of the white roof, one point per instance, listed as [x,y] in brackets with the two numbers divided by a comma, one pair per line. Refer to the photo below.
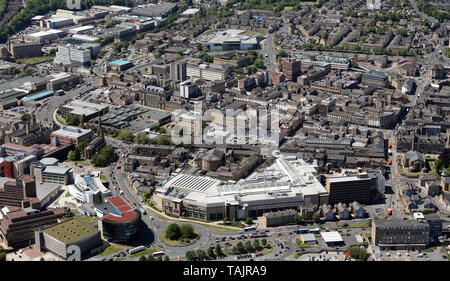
[190,12]
[81,28]
[332,236]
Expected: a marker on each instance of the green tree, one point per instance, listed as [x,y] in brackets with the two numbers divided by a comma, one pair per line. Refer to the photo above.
[201,254]
[264,242]
[316,217]
[298,219]
[256,245]
[125,136]
[82,120]
[159,258]
[25,117]
[142,258]
[2,256]
[187,231]
[210,252]
[173,232]
[358,253]
[166,258]
[240,248]
[218,250]
[249,247]
[249,220]
[150,258]
[141,138]
[164,140]
[191,255]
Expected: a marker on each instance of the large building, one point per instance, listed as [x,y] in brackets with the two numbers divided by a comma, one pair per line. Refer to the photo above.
[232,39]
[289,183]
[80,108]
[278,218]
[395,233]
[292,69]
[20,192]
[67,135]
[89,188]
[76,55]
[25,50]
[57,238]
[376,79]
[119,222]
[209,72]
[17,225]
[349,189]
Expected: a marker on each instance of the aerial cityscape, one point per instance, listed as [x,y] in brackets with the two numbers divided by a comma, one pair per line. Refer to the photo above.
[224,130]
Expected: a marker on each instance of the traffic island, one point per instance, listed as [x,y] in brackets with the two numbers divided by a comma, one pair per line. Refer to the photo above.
[176,236]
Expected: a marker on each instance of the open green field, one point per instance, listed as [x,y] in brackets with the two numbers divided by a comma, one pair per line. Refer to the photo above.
[108,251]
[35,60]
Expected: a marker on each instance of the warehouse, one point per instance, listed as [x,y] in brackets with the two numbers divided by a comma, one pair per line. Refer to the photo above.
[45,36]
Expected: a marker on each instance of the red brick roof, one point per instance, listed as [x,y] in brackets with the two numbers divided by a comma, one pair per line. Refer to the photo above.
[128,214]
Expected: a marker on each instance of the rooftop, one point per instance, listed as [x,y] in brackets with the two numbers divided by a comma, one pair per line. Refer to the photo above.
[70,231]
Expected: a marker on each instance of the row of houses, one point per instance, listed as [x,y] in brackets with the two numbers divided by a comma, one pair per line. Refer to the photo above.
[342,211]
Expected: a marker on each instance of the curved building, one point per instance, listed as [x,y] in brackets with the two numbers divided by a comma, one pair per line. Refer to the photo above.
[120,223]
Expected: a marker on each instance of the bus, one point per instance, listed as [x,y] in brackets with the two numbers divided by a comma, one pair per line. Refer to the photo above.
[137,249]
[160,253]
[249,228]
[301,231]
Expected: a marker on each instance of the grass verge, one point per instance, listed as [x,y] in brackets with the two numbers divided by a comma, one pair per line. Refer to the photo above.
[108,251]
[180,242]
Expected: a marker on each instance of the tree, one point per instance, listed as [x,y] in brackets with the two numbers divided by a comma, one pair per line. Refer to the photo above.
[240,248]
[187,231]
[173,231]
[316,217]
[166,258]
[358,253]
[82,120]
[25,117]
[2,256]
[259,63]
[249,220]
[219,251]
[141,138]
[142,258]
[125,136]
[159,258]
[249,247]
[211,253]
[256,245]
[264,242]
[41,259]
[73,120]
[298,219]
[191,255]
[150,258]
[70,156]
[201,254]
[225,220]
